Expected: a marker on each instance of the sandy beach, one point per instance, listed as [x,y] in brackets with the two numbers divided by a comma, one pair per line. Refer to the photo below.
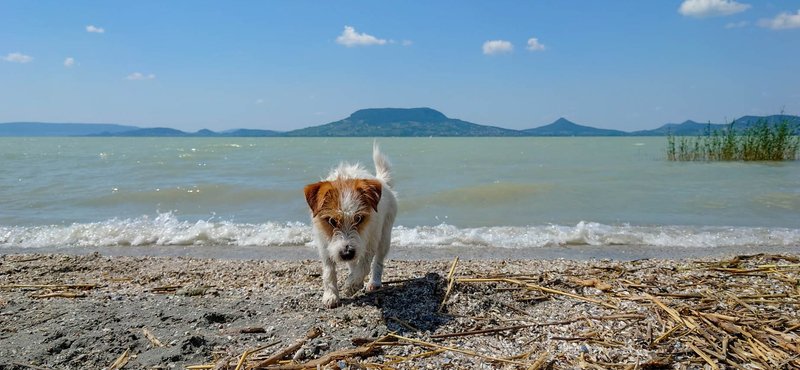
[90,311]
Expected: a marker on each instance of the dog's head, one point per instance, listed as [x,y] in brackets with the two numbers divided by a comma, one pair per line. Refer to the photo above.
[341,210]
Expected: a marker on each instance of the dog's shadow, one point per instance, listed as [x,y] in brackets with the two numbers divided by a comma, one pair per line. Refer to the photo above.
[409,305]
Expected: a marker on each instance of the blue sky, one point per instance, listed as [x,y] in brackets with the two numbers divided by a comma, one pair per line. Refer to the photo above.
[626,65]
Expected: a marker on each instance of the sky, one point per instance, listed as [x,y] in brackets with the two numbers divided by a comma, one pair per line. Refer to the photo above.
[282,65]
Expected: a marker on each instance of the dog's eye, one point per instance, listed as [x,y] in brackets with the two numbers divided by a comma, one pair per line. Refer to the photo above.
[332,222]
[359,219]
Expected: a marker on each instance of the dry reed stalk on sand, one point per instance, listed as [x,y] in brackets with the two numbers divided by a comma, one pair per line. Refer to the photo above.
[50,286]
[450,282]
[60,295]
[164,289]
[424,354]
[566,322]
[121,361]
[404,324]
[247,354]
[152,338]
[428,344]
[330,357]
[34,367]
[534,286]
[250,330]
[289,350]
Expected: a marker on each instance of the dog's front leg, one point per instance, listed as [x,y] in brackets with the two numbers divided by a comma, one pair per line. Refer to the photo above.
[380,255]
[358,271]
[330,295]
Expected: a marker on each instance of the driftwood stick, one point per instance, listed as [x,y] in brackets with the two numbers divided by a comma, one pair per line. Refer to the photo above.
[60,295]
[289,350]
[250,330]
[357,341]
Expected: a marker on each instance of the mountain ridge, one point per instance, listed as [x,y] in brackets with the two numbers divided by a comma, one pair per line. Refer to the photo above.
[375,122]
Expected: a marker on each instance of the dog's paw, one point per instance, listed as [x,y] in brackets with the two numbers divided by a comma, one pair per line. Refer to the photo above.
[330,300]
[351,289]
[373,286]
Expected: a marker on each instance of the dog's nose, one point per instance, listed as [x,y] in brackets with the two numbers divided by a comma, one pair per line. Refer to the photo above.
[348,253]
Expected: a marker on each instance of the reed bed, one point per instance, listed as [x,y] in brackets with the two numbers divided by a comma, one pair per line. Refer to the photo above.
[760,142]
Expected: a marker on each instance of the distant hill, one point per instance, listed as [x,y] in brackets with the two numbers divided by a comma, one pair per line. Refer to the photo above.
[691,128]
[686,128]
[147,132]
[242,132]
[29,129]
[746,121]
[169,132]
[563,127]
[412,122]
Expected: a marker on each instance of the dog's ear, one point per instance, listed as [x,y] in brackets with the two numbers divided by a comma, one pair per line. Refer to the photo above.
[315,195]
[370,192]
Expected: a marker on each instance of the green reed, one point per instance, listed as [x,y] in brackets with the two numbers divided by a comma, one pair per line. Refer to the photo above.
[760,142]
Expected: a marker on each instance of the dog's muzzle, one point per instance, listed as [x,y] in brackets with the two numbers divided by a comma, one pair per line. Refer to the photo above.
[347,253]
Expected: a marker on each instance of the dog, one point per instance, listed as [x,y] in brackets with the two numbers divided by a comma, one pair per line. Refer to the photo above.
[352,214]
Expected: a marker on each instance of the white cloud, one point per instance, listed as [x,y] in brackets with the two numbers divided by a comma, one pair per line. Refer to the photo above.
[534,45]
[139,76]
[69,62]
[259,101]
[352,38]
[95,29]
[17,58]
[783,21]
[737,25]
[497,47]
[407,42]
[711,8]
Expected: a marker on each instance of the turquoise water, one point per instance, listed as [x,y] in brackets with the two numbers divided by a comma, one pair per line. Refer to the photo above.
[488,192]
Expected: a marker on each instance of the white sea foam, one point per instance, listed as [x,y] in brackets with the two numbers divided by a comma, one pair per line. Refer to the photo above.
[166,229]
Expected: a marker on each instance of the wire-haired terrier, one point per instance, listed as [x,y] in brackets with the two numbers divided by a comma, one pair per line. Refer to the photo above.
[352,214]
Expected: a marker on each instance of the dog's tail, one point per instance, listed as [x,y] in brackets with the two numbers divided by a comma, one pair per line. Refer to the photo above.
[383,168]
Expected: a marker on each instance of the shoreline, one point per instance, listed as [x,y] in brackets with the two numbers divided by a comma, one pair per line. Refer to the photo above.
[207,309]
[421,253]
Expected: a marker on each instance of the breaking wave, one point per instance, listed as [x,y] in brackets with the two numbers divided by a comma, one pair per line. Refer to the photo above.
[166,229]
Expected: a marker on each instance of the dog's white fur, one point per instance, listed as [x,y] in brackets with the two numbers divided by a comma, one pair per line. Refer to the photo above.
[371,243]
